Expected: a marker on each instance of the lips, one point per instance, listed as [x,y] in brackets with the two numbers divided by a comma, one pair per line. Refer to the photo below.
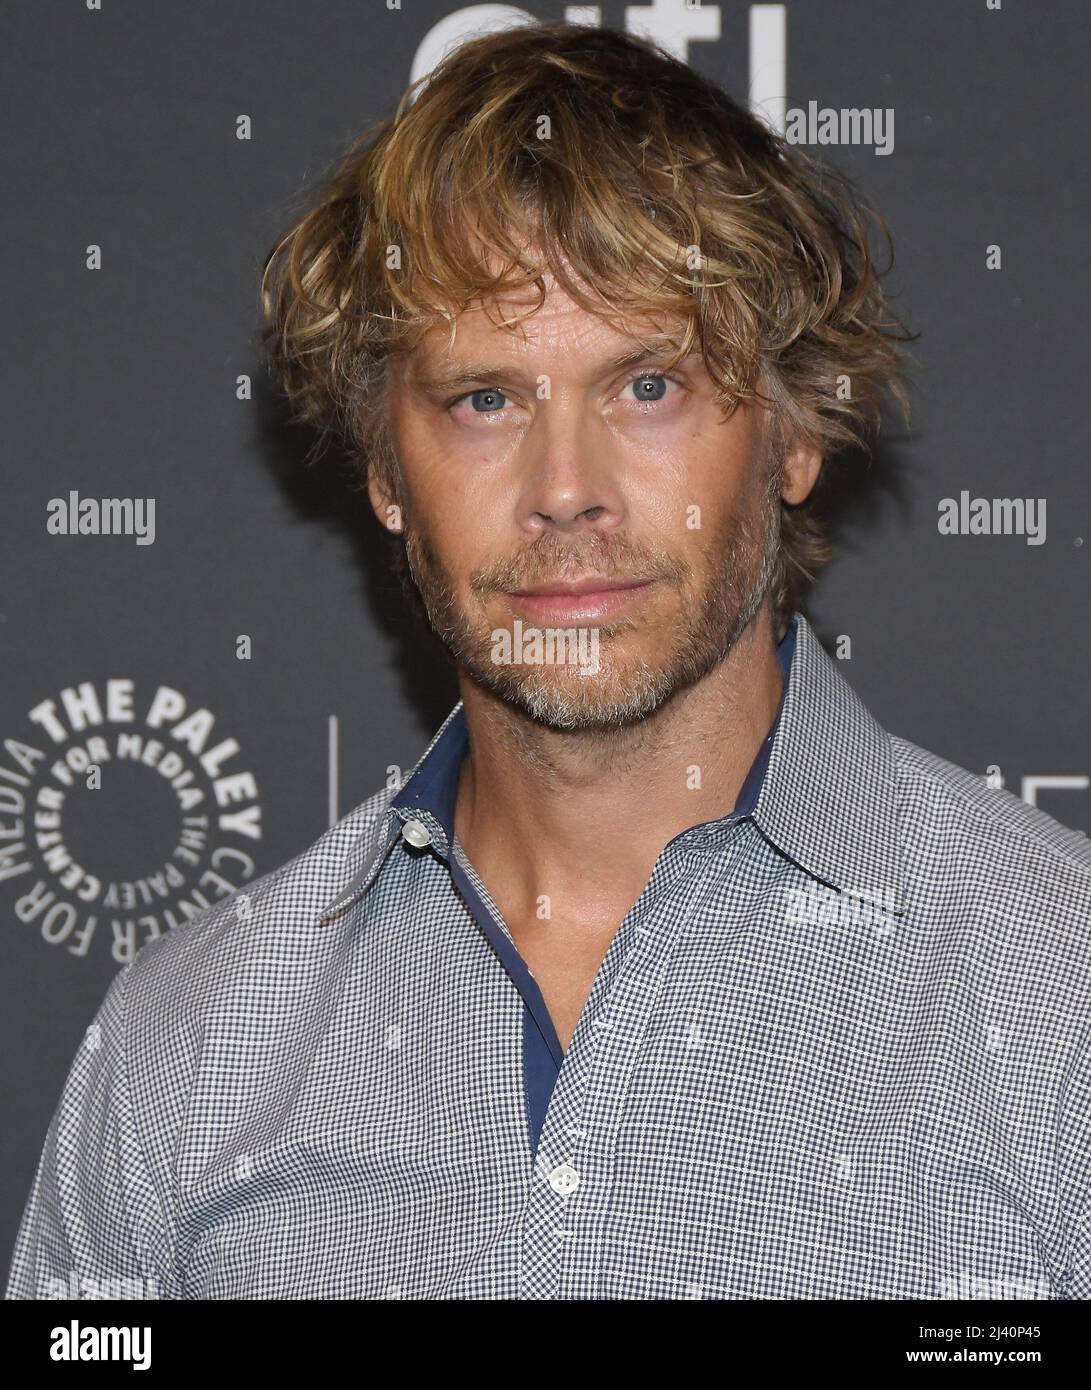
[577,587]
[587,600]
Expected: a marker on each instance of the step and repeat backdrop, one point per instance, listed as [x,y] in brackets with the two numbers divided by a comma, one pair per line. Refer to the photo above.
[236,650]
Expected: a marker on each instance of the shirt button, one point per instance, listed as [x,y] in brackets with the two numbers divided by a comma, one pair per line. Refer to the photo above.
[564,1179]
[416,833]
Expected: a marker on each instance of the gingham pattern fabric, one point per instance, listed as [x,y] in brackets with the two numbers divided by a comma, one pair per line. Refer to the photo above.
[838,1048]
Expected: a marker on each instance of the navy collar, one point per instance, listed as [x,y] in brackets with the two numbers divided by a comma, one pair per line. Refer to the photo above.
[433,786]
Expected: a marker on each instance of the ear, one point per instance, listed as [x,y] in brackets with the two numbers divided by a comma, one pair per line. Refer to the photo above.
[384,503]
[802,464]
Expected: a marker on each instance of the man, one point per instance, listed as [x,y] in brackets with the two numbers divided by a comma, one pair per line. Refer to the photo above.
[667,972]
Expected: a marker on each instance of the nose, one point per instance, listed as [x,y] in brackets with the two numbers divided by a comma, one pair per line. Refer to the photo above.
[571,479]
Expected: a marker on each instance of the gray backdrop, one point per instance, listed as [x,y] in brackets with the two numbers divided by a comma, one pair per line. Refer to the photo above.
[120,132]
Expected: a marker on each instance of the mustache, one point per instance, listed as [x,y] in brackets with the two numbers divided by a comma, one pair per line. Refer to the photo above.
[549,557]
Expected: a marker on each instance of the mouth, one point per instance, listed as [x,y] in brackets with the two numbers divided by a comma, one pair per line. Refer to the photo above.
[582,600]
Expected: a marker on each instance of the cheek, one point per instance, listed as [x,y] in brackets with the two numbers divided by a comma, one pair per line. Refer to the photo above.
[728,481]
[452,527]
[689,498]
[657,484]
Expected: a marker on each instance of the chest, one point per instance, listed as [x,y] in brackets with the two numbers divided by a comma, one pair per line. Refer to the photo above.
[564,961]
[752,1115]
[697,1147]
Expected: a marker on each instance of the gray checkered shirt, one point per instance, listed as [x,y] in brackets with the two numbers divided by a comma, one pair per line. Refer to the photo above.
[838,1048]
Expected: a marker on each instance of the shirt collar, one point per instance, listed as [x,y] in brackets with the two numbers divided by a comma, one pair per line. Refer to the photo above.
[433,785]
[822,789]
[829,800]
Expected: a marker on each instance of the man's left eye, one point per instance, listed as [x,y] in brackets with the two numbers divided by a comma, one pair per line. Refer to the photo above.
[650,386]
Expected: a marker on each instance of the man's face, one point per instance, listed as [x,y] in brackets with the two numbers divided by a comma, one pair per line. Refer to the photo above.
[544,488]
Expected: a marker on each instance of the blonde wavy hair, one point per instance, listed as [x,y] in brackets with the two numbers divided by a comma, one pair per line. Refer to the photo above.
[646,191]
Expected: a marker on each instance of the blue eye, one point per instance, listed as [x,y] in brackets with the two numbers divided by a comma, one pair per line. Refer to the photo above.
[649,386]
[490,399]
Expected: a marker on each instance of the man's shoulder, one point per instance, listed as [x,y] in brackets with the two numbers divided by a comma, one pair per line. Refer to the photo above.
[966,820]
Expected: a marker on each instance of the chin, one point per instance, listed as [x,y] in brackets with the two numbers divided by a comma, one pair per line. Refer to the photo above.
[570,701]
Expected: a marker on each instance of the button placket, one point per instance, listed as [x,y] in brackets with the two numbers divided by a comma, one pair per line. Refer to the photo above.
[573,1161]
[564,1179]
[568,1210]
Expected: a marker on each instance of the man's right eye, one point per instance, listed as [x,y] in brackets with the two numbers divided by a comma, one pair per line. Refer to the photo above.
[483,401]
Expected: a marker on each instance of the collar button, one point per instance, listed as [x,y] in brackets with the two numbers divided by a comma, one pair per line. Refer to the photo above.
[416,834]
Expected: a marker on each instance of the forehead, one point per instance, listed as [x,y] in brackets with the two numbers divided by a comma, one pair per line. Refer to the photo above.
[520,325]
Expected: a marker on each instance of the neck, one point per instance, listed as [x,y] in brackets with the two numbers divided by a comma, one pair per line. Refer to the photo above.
[540,808]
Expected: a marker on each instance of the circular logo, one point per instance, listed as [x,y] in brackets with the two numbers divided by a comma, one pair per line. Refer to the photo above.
[122,815]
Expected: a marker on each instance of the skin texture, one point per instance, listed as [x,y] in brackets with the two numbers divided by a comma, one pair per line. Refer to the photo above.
[575,781]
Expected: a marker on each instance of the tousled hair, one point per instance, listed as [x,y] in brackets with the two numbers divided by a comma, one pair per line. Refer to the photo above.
[646,191]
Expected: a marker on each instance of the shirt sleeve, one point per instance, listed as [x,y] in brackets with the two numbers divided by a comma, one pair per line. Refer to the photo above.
[94,1225]
[1074,1155]
[1077,1282]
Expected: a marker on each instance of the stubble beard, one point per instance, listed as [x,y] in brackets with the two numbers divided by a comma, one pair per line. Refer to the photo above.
[623,691]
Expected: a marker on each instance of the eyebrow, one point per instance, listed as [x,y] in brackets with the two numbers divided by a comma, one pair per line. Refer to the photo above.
[439,380]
